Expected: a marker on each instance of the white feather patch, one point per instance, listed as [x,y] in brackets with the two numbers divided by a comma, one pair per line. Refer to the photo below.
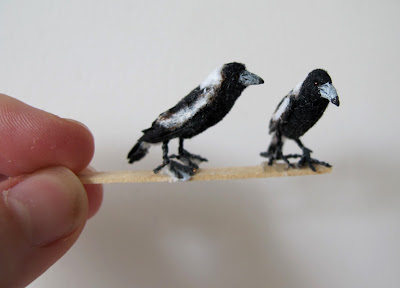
[209,86]
[180,117]
[296,90]
[214,79]
[145,145]
[281,108]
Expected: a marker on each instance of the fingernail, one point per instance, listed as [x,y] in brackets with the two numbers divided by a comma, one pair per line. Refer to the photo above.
[49,205]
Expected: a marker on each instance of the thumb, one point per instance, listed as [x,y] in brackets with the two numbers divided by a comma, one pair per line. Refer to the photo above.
[41,216]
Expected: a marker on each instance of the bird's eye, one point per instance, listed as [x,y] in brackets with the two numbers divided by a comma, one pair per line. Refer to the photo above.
[315,83]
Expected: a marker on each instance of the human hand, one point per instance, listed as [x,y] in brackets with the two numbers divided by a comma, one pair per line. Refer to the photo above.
[43,205]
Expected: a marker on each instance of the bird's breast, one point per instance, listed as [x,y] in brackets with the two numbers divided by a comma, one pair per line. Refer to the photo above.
[304,115]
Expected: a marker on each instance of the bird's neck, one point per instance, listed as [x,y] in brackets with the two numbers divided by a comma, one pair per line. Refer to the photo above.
[231,92]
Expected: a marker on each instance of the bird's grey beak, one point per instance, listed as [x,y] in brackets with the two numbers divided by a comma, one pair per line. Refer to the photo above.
[247,78]
[328,91]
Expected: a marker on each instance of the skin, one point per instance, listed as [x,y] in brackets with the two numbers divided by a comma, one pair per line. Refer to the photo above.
[43,205]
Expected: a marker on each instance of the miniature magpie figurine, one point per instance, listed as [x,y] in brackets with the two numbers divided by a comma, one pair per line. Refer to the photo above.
[202,108]
[296,113]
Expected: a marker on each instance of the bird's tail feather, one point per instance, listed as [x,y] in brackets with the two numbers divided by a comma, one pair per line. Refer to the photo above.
[138,151]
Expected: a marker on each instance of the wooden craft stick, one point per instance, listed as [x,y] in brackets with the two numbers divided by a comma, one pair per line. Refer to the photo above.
[260,171]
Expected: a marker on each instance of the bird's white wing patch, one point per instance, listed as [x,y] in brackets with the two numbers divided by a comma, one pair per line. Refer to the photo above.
[180,117]
[281,109]
[296,90]
[213,80]
[209,86]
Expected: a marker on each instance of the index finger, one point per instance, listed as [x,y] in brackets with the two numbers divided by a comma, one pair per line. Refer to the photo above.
[31,139]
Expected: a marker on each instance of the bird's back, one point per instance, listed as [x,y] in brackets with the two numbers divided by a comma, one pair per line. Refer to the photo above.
[199,110]
[210,114]
[169,123]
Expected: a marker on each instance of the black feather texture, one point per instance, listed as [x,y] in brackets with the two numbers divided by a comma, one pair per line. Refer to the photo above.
[306,108]
[298,112]
[138,152]
[203,107]
[216,108]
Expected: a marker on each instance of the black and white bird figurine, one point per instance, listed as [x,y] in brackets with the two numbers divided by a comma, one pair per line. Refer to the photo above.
[202,108]
[296,113]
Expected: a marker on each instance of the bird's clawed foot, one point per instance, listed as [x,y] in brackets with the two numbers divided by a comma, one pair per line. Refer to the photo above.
[277,156]
[189,159]
[176,170]
[158,169]
[180,171]
[306,159]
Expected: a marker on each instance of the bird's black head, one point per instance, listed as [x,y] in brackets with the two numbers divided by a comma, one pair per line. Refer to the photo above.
[319,77]
[319,83]
[235,75]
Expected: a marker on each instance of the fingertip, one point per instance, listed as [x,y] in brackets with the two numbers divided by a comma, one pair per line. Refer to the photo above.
[83,147]
[33,139]
[94,194]
[95,198]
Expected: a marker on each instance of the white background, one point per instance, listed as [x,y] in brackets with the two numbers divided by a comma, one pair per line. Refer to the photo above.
[115,65]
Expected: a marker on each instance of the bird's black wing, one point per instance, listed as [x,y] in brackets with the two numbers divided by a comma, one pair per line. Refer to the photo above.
[282,112]
[169,124]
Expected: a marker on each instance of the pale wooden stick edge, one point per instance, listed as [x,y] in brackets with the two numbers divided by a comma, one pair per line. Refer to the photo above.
[208,174]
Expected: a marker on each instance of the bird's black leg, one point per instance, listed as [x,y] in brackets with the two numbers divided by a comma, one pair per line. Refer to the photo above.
[179,170]
[274,151]
[187,157]
[279,155]
[185,153]
[166,160]
[306,157]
